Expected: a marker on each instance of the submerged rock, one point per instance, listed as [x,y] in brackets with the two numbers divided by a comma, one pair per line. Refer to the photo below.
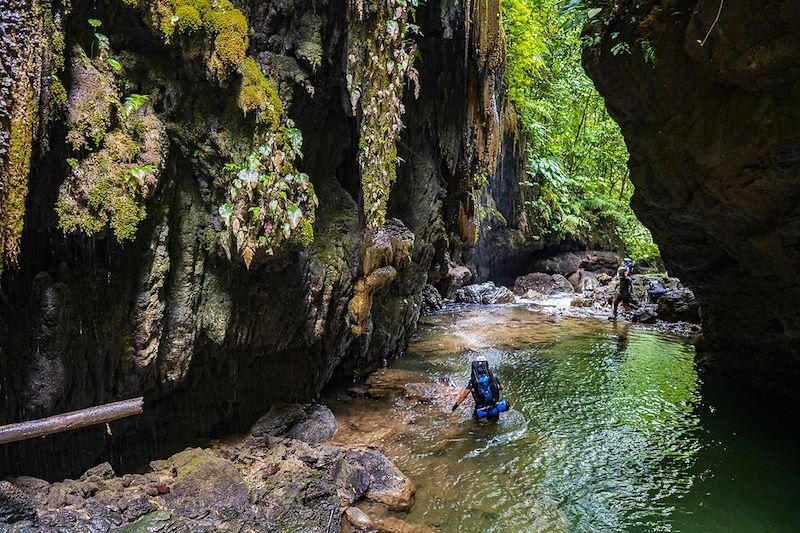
[387,382]
[484,293]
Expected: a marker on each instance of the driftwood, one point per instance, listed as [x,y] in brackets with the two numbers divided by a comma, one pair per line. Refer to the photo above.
[72,420]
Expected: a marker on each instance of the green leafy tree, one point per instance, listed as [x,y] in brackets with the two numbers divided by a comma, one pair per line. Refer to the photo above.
[577,175]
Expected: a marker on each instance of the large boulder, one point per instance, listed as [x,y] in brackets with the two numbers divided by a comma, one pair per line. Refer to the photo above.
[484,293]
[678,304]
[567,263]
[388,485]
[457,276]
[583,280]
[545,284]
[310,423]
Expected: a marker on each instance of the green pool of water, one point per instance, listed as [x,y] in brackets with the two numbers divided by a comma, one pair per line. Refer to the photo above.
[611,429]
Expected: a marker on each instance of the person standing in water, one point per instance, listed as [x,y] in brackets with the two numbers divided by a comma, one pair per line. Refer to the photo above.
[624,291]
[485,389]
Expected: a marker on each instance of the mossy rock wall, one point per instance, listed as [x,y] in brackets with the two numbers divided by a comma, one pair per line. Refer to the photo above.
[166,314]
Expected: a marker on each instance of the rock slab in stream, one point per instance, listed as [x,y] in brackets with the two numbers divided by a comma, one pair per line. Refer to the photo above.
[484,293]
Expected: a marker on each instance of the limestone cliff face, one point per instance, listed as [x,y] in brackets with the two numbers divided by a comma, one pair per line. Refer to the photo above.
[713,136]
[208,342]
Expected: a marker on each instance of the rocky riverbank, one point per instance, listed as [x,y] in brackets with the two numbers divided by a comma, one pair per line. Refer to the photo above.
[279,477]
[580,284]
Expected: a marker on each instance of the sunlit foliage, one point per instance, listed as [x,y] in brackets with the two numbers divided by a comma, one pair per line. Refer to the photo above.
[578,182]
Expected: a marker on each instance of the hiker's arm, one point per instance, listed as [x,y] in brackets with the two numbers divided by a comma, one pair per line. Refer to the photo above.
[461,398]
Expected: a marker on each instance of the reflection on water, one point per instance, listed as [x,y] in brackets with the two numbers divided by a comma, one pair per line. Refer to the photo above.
[607,432]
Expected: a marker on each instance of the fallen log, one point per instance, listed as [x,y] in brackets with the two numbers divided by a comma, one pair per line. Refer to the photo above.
[72,420]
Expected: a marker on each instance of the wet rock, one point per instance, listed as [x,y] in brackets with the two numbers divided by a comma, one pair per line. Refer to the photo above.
[545,284]
[422,392]
[581,302]
[352,480]
[318,427]
[310,422]
[15,506]
[204,479]
[392,524]
[387,382]
[388,485]
[457,277]
[678,304]
[646,313]
[101,471]
[531,294]
[484,293]
[583,281]
[431,299]
[358,518]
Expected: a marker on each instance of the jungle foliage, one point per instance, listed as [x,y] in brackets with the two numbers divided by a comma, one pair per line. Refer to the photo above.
[577,172]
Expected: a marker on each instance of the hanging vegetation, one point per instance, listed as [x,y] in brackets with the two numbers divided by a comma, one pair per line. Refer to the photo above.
[119,147]
[380,61]
[270,204]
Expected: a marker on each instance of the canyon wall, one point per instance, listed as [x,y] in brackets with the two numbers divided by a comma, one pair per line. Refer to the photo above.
[709,110]
[208,340]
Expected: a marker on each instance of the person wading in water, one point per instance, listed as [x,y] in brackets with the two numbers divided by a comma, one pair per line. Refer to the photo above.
[485,389]
[624,292]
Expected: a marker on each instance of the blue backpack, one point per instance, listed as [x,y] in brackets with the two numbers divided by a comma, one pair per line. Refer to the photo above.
[485,390]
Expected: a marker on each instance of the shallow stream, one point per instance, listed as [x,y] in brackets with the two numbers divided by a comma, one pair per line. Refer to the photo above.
[611,429]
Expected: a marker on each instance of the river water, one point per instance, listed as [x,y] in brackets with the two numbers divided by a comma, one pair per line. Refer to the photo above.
[611,429]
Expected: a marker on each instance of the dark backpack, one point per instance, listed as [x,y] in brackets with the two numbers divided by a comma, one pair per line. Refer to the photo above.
[485,390]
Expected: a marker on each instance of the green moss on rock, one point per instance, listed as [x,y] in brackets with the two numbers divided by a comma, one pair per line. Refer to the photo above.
[259,94]
[108,187]
[189,20]
[14,183]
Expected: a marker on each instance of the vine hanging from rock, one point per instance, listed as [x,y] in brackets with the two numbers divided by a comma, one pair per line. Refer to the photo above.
[380,61]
